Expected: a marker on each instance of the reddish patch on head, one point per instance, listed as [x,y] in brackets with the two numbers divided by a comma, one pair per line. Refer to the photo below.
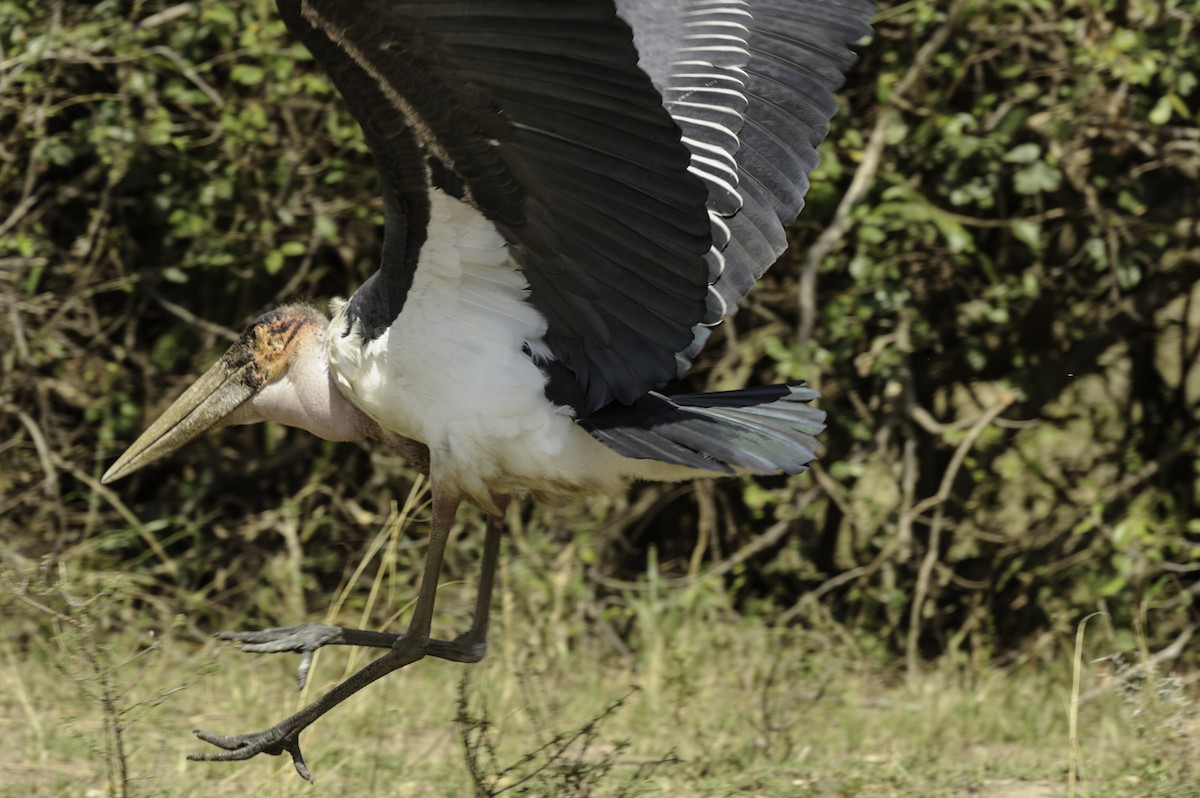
[267,343]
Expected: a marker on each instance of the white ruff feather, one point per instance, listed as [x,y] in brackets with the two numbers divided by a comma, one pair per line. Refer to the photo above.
[451,373]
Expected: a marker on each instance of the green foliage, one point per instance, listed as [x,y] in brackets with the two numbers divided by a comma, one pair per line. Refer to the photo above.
[1028,244]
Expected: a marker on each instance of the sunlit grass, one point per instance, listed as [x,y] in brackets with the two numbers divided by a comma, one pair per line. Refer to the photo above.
[728,705]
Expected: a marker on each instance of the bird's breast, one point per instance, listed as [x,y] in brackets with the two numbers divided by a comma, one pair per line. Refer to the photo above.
[458,371]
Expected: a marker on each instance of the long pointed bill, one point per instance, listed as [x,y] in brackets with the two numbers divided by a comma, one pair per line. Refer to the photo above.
[210,400]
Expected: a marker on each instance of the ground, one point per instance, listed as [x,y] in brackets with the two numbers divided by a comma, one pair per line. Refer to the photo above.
[723,706]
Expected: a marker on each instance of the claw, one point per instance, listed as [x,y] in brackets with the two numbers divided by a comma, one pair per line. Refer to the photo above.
[302,671]
[298,761]
[245,746]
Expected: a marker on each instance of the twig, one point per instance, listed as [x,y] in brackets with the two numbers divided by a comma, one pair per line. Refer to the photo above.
[706,525]
[864,176]
[909,467]
[769,538]
[931,425]
[26,203]
[834,492]
[298,275]
[190,74]
[43,450]
[151,542]
[19,338]
[191,318]
[167,15]
[931,554]
[837,581]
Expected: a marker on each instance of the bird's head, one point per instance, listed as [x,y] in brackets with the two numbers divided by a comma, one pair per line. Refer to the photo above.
[277,370]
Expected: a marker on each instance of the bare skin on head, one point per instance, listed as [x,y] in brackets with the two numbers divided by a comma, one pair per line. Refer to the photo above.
[276,371]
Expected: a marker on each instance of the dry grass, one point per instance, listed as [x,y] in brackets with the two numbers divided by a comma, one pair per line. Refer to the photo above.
[746,710]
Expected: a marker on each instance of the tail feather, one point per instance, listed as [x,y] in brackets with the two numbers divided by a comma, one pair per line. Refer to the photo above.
[756,430]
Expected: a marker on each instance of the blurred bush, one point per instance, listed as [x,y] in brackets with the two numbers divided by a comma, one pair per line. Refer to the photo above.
[1006,333]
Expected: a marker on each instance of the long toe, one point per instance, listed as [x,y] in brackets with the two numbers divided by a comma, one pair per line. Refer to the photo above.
[303,640]
[244,746]
[298,639]
[237,744]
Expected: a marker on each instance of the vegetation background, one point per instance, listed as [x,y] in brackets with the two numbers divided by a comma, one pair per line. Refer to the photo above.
[994,285]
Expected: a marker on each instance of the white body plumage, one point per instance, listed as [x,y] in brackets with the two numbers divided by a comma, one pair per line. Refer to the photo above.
[453,372]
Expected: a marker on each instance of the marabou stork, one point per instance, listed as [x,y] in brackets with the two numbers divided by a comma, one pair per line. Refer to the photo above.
[575,192]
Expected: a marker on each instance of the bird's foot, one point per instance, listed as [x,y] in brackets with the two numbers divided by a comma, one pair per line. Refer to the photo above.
[273,741]
[305,640]
[468,647]
[285,735]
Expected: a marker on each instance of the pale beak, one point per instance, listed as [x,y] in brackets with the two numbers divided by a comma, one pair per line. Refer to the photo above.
[203,406]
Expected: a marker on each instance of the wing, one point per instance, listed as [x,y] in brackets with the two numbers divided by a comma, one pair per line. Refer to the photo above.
[536,112]
[750,83]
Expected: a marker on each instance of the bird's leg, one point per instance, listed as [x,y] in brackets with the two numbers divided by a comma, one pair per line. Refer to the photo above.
[471,645]
[407,649]
[307,638]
